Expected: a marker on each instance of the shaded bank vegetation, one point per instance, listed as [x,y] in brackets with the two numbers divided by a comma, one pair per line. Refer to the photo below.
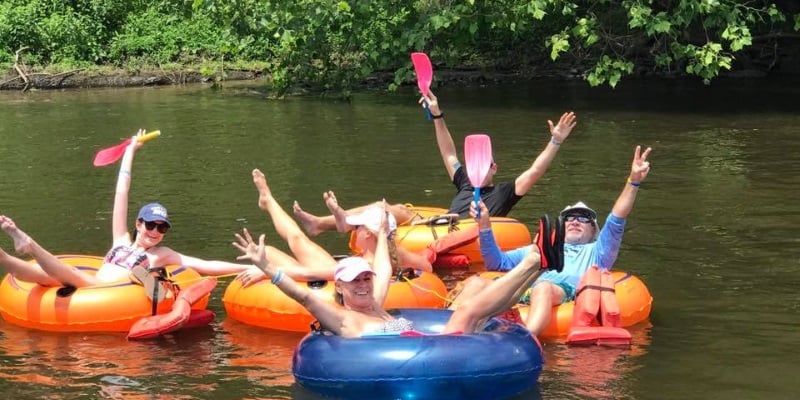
[339,45]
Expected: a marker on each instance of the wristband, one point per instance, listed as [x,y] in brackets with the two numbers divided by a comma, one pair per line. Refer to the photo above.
[277,278]
[554,141]
[437,116]
[634,183]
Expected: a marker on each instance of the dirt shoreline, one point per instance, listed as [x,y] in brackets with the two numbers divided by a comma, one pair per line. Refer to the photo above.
[11,80]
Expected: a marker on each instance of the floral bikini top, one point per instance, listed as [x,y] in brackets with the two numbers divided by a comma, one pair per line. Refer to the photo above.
[127,257]
[398,325]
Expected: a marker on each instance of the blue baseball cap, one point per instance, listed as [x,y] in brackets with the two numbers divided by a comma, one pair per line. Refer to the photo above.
[154,212]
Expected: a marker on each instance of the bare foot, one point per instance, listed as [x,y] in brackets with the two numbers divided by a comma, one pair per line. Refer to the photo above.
[338,212]
[310,222]
[264,194]
[22,242]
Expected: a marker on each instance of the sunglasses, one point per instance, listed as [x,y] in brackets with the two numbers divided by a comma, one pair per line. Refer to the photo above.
[150,225]
[581,218]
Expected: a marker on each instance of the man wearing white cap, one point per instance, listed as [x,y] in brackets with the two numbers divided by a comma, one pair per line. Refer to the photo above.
[585,245]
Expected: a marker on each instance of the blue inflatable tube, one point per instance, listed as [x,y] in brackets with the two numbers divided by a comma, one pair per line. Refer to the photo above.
[502,360]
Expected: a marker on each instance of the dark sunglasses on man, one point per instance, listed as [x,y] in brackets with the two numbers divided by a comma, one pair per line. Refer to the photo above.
[581,218]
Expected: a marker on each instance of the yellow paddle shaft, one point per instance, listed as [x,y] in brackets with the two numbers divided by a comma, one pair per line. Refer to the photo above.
[149,136]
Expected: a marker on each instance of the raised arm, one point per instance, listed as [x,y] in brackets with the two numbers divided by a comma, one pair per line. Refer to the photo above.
[558,134]
[640,167]
[494,259]
[444,140]
[212,267]
[119,214]
[382,263]
[328,314]
[166,256]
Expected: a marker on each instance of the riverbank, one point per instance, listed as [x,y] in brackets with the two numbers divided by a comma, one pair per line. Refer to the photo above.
[96,78]
[105,77]
[25,78]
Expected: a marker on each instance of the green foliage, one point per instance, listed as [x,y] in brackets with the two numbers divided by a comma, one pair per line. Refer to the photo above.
[6,59]
[698,37]
[162,38]
[706,61]
[334,45]
[609,70]
[559,43]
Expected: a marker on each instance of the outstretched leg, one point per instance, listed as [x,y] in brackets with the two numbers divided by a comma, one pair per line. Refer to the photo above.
[338,213]
[26,271]
[315,225]
[306,251]
[496,297]
[503,292]
[50,270]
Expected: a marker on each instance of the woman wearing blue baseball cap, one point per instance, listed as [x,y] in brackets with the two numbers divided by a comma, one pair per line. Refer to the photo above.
[137,253]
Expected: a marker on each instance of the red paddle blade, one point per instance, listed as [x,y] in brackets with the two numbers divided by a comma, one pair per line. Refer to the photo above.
[424,70]
[111,154]
[478,156]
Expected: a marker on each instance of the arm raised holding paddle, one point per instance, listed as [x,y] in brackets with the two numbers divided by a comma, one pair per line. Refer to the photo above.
[499,198]
[444,139]
[142,249]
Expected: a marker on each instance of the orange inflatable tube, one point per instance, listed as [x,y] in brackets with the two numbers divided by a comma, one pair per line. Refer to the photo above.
[264,305]
[113,307]
[633,299]
[509,233]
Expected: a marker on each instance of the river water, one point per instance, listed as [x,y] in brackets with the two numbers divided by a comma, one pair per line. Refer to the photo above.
[713,234]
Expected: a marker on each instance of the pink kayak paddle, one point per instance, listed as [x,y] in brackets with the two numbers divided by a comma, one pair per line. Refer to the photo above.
[424,70]
[110,155]
[478,157]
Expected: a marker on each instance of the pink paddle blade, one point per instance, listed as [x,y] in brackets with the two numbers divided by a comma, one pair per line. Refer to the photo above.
[478,156]
[111,154]
[424,70]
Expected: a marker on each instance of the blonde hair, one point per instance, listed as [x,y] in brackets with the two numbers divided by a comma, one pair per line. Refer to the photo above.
[394,257]
[394,260]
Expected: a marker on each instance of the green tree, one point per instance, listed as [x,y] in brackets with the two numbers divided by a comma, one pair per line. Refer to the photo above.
[336,45]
